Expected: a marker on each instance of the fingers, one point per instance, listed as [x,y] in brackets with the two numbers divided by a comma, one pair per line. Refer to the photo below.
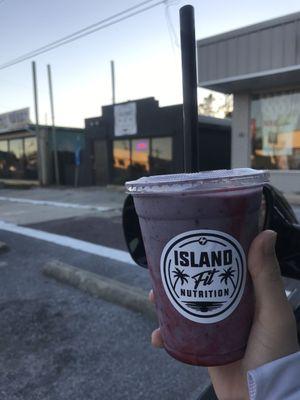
[151,296]
[274,322]
[156,339]
[272,308]
[264,270]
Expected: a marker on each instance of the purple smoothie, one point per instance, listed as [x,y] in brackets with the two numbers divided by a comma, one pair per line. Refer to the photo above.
[196,241]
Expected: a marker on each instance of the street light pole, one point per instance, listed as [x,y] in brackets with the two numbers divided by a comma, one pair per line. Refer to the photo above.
[113,85]
[38,133]
[56,168]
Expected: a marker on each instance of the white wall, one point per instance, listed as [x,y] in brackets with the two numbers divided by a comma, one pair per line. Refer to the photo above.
[240,135]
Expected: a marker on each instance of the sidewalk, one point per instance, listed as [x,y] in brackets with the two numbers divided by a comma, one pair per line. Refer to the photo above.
[107,196]
[37,205]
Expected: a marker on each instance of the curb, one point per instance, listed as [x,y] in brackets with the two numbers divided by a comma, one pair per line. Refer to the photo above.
[3,247]
[100,286]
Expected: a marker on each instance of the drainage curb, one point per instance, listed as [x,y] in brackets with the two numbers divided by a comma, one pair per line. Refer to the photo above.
[100,286]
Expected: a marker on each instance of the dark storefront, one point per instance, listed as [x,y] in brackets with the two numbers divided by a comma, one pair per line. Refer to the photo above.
[18,156]
[23,156]
[139,138]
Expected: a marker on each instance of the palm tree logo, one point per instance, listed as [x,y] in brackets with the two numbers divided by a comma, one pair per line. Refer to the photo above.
[228,275]
[179,275]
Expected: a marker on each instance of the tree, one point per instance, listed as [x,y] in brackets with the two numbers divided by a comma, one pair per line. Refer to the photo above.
[226,275]
[180,275]
[206,107]
[226,108]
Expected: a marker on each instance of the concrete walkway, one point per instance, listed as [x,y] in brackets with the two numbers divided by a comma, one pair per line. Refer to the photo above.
[36,205]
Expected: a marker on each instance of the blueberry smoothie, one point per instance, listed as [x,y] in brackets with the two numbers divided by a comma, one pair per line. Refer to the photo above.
[197,229]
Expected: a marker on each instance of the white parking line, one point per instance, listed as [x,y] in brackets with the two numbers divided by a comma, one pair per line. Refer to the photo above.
[55,204]
[66,241]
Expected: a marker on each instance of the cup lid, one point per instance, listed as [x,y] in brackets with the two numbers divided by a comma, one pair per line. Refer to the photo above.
[198,181]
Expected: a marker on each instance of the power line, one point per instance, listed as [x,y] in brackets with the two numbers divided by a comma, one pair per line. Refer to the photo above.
[85,31]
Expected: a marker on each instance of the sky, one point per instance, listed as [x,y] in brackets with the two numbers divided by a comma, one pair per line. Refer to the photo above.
[144,48]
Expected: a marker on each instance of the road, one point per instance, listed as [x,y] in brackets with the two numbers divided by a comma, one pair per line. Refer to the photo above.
[60,343]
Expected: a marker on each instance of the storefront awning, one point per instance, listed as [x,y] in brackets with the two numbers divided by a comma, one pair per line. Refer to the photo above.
[265,80]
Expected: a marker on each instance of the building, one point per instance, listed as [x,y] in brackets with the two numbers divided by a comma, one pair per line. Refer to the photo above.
[24,155]
[260,65]
[138,138]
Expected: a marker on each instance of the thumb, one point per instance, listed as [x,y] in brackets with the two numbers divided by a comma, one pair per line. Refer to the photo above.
[265,273]
[274,322]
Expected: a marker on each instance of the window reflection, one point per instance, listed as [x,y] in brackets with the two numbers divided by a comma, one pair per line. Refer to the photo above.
[30,158]
[133,158]
[140,158]
[275,131]
[161,156]
[4,157]
[16,161]
[3,146]
[121,161]
[18,158]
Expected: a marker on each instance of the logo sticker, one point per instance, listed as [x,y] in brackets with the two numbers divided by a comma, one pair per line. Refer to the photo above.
[204,274]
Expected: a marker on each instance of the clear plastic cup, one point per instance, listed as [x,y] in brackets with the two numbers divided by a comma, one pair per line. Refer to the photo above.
[197,229]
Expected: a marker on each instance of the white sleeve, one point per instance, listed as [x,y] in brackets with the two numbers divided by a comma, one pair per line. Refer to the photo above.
[277,380]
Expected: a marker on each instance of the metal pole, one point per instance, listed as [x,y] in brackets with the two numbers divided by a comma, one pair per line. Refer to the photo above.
[189,85]
[56,168]
[113,87]
[37,128]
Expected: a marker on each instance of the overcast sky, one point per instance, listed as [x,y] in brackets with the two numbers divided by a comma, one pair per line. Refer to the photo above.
[147,59]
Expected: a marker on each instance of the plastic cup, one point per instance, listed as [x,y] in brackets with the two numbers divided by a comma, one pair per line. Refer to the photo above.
[197,229]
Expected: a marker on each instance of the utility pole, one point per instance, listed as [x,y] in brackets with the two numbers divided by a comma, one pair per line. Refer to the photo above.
[56,168]
[38,133]
[113,87]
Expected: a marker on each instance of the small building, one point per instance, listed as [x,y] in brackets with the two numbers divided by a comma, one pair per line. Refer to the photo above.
[260,66]
[139,138]
[24,155]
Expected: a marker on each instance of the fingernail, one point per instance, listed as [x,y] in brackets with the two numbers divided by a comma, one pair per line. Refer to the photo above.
[269,243]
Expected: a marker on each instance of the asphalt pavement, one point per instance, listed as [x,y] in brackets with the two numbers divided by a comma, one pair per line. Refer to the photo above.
[57,342]
[60,343]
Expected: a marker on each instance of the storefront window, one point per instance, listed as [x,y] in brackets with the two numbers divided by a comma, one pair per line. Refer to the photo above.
[3,146]
[275,131]
[140,158]
[30,158]
[133,158]
[161,156]
[16,161]
[121,161]
[4,156]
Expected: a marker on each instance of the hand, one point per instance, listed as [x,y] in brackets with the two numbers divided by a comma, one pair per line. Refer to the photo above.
[273,334]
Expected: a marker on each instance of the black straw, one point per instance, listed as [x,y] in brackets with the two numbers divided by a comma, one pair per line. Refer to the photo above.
[189,85]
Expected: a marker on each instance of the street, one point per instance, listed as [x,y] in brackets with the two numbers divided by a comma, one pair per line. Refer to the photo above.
[60,343]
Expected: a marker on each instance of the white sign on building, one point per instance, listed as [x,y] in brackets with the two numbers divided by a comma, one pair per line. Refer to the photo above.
[14,120]
[125,119]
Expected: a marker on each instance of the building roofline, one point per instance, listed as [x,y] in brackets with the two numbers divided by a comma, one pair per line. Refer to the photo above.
[67,128]
[249,29]
[132,101]
[220,84]
[30,127]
